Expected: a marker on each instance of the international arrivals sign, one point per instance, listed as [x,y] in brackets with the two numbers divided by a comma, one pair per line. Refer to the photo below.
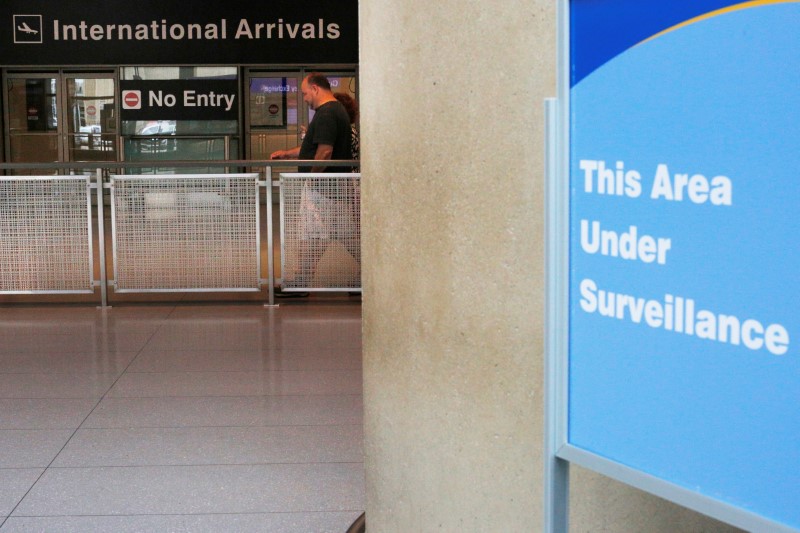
[165,32]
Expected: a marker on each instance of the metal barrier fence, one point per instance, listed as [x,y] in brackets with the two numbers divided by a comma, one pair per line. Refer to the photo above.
[320,232]
[185,233]
[178,233]
[46,235]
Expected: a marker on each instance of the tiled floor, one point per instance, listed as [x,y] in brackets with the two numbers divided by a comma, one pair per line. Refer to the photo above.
[181,417]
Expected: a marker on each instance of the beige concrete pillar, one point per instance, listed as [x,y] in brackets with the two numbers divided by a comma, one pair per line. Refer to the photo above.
[452,162]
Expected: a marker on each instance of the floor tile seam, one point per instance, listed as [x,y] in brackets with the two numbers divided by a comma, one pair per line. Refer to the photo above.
[221,427]
[143,515]
[261,342]
[242,396]
[297,395]
[305,351]
[295,351]
[69,373]
[109,351]
[34,428]
[212,426]
[249,345]
[253,371]
[257,350]
[75,430]
[96,397]
[203,465]
[131,515]
[120,396]
[350,369]
[17,429]
[93,397]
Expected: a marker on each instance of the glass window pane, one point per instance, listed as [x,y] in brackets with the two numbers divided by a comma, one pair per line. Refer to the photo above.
[176,149]
[177,73]
[274,102]
[34,148]
[339,84]
[32,105]
[275,113]
[178,139]
[263,144]
[92,122]
[92,147]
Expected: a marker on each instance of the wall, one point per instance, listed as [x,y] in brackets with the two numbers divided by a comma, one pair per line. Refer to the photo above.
[452,146]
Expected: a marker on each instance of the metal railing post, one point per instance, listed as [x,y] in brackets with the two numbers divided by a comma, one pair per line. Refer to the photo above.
[101,237]
[270,254]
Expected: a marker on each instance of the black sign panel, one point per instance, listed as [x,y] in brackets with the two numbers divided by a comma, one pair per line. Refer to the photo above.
[173,32]
[179,100]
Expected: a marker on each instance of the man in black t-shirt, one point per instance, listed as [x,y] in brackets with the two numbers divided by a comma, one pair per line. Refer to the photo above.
[328,135]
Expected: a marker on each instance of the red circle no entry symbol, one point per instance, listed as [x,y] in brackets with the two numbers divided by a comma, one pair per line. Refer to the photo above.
[131,99]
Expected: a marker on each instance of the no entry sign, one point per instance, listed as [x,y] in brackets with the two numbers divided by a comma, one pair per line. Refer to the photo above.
[131,99]
[195,99]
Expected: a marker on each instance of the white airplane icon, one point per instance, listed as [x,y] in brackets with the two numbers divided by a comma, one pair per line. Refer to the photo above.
[27,29]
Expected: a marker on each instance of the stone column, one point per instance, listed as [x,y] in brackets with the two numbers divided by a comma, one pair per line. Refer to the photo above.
[452,140]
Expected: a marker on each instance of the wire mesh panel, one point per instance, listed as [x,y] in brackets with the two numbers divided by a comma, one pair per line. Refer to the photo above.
[185,233]
[320,231]
[45,235]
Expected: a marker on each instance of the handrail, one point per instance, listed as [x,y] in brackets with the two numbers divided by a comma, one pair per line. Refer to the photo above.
[94,165]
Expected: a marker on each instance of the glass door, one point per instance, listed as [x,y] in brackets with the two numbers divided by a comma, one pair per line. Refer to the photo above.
[91,117]
[57,117]
[32,119]
[275,112]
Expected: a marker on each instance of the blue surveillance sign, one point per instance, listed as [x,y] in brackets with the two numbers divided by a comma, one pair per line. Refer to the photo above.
[684,299]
